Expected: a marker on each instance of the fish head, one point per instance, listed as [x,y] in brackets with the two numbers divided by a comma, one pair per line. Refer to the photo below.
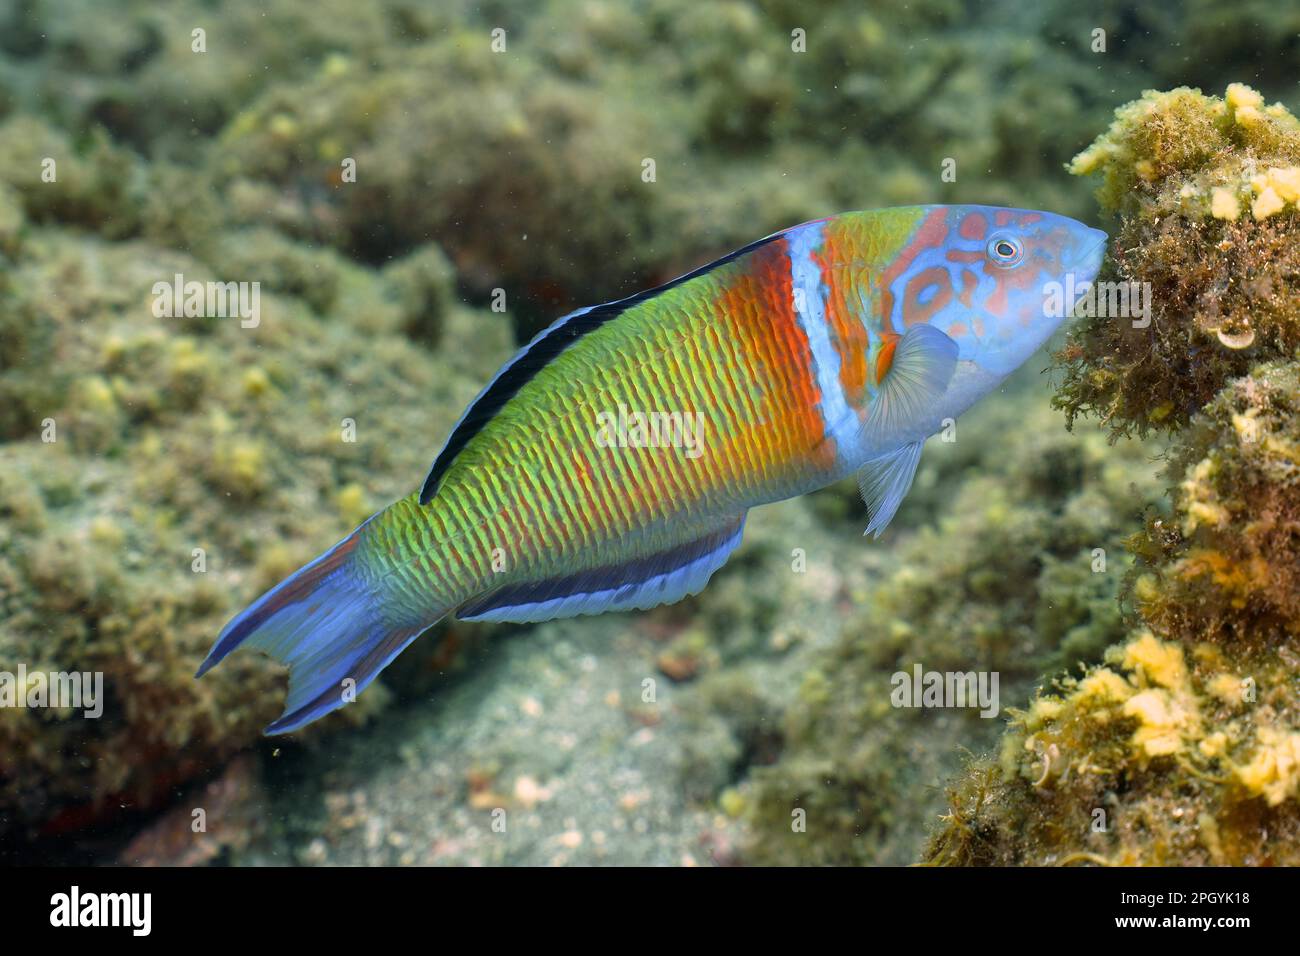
[998,281]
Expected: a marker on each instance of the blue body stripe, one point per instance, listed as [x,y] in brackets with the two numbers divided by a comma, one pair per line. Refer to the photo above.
[838,417]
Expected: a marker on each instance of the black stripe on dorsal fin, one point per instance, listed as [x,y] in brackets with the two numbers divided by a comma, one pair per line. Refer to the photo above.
[538,353]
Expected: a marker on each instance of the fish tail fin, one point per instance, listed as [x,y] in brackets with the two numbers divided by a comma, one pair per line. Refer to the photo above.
[334,627]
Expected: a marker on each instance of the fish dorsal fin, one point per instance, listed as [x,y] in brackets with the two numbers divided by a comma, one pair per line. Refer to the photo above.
[884,484]
[639,584]
[538,353]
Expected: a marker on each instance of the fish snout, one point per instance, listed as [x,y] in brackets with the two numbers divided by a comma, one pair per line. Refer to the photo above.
[1095,241]
[1084,256]
[1089,248]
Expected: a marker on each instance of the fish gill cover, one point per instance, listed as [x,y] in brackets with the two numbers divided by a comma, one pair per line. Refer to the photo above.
[415,190]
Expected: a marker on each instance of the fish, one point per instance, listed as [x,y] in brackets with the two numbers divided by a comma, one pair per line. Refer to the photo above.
[610,464]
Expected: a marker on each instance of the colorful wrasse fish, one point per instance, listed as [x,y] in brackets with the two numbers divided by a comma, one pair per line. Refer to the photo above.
[830,349]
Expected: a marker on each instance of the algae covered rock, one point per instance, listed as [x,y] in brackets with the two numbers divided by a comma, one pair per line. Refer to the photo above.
[1229,568]
[507,142]
[165,78]
[1181,749]
[1166,756]
[1206,191]
[160,471]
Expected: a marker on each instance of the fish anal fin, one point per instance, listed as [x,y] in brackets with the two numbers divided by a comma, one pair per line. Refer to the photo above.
[639,584]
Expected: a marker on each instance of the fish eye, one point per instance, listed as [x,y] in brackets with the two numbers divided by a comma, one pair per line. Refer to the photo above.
[1005,251]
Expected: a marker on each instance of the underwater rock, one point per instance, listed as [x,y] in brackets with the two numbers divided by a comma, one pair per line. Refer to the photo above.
[424,285]
[1228,569]
[1182,748]
[1206,191]
[506,142]
[160,472]
[165,79]
[1165,757]
[221,817]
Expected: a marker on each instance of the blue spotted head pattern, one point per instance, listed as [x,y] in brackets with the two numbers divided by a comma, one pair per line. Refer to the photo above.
[997,281]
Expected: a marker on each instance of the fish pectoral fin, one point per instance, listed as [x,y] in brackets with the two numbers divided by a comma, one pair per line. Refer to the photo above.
[884,483]
[904,406]
[903,413]
[636,584]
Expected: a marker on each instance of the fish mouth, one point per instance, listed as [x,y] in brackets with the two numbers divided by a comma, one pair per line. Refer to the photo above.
[1090,255]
